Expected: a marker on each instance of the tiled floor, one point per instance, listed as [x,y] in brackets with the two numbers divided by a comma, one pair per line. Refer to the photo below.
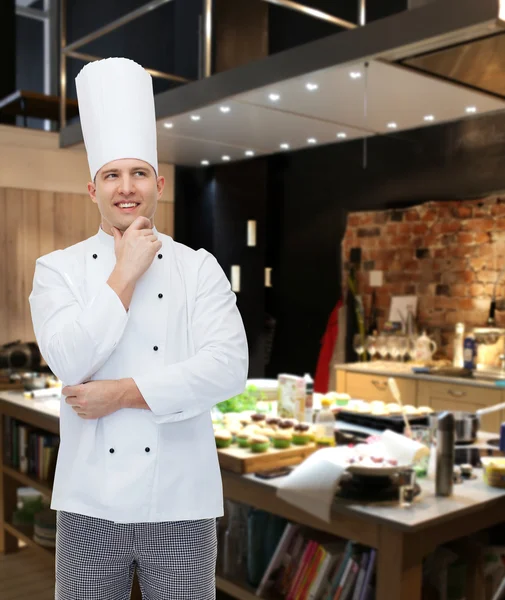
[26,576]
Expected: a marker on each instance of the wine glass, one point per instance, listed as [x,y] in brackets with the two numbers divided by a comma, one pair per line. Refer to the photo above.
[358,344]
[392,346]
[371,345]
[403,347]
[382,346]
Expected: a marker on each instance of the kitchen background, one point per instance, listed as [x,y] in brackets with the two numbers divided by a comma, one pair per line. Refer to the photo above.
[300,200]
[448,254]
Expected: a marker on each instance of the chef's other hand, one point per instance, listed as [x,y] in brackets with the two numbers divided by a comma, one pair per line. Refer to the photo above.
[135,248]
[94,399]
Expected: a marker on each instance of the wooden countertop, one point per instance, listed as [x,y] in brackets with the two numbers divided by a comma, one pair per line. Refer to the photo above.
[403,370]
[427,510]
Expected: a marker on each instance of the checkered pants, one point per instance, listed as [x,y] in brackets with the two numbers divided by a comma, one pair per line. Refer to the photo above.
[96,559]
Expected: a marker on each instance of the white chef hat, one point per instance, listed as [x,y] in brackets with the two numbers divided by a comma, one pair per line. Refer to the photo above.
[116,108]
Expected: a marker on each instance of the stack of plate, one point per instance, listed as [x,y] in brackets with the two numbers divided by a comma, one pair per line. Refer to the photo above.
[44,530]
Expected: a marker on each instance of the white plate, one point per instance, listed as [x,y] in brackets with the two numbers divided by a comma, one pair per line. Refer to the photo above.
[376,471]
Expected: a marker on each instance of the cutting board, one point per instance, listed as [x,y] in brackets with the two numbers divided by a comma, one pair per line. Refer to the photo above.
[243,460]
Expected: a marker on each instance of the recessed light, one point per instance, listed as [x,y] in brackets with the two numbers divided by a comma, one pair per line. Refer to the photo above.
[392,125]
[274,97]
[429,117]
[225,158]
[168,125]
[249,152]
[224,109]
[341,135]
[195,117]
[284,146]
[471,109]
[312,87]
[355,74]
[312,141]
[205,163]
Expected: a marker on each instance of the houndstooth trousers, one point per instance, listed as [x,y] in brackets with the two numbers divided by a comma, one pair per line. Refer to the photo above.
[96,559]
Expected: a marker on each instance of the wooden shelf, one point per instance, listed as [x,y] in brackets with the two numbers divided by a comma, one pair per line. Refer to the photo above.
[25,534]
[241,592]
[42,486]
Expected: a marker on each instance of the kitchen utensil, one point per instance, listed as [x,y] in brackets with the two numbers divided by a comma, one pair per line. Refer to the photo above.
[397,396]
[466,423]
[446,434]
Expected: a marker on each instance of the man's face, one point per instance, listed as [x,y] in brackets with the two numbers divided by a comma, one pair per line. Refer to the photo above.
[124,190]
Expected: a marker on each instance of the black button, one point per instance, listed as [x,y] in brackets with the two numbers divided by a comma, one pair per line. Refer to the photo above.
[95,256]
[160,295]
[155,348]
[111,450]
[160,255]
[148,449]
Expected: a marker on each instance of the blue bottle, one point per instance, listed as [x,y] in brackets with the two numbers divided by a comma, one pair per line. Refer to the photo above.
[469,352]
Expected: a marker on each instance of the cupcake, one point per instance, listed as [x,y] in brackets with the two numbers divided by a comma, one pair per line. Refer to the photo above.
[258,418]
[268,432]
[410,410]
[243,439]
[235,430]
[244,421]
[425,410]
[272,422]
[394,409]
[287,424]
[259,443]
[301,435]
[223,438]
[281,439]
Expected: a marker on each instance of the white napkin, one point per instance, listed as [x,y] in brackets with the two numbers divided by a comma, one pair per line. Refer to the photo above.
[313,484]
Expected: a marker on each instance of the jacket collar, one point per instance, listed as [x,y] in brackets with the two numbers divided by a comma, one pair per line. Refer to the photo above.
[108,240]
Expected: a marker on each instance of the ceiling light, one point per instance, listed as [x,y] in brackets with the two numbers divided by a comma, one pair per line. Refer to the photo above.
[471,109]
[225,158]
[224,109]
[312,141]
[429,118]
[312,87]
[341,135]
[249,152]
[392,125]
[168,125]
[195,117]
[354,74]
[205,163]
[274,97]
[284,146]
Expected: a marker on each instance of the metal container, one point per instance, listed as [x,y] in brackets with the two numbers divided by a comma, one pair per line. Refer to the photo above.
[446,432]
[466,426]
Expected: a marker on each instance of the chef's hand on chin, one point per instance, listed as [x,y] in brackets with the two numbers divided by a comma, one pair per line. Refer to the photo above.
[94,399]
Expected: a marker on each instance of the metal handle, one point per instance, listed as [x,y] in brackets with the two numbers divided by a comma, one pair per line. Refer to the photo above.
[456,393]
[380,385]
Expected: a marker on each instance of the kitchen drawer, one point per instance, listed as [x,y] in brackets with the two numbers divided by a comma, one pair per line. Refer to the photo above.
[448,396]
[375,387]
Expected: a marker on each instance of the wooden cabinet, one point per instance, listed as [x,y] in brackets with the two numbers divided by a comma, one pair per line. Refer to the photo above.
[449,396]
[422,392]
[375,387]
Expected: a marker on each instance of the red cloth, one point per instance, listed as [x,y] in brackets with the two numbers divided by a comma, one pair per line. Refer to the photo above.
[328,341]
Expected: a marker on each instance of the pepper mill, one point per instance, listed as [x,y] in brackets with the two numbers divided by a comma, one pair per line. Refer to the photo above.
[445,454]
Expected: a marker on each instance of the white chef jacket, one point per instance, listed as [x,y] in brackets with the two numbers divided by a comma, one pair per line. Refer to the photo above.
[182,341]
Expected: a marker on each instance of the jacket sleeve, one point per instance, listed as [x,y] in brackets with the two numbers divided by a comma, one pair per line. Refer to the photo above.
[75,338]
[218,369]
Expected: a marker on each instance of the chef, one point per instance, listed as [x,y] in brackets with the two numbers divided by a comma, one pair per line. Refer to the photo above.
[146,337]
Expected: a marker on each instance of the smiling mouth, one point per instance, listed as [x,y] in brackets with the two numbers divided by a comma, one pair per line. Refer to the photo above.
[128,206]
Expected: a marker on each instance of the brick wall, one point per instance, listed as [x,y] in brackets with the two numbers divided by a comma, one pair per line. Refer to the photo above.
[449,254]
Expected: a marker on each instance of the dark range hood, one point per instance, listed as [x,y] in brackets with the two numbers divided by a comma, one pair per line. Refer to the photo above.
[395,74]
